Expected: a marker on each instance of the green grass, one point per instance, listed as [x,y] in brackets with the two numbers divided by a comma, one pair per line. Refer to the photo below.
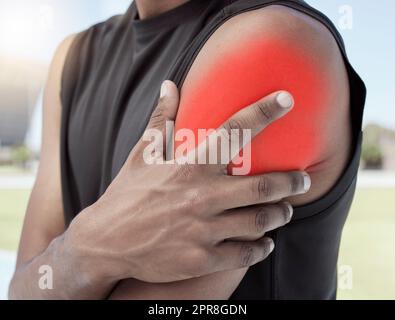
[12,170]
[12,208]
[367,245]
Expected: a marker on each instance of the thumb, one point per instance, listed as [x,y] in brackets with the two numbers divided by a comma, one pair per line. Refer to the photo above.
[167,107]
[165,111]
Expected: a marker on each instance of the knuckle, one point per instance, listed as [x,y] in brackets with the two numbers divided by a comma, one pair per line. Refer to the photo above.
[233,124]
[246,255]
[222,134]
[296,182]
[262,187]
[157,117]
[264,111]
[265,250]
[261,220]
[162,105]
[197,261]
[287,211]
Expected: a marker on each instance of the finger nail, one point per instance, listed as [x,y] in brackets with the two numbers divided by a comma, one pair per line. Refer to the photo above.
[270,243]
[285,100]
[290,211]
[306,181]
[164,91]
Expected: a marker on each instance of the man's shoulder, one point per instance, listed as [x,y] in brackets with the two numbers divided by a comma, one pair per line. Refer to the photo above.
[282,23]
[277,34]
[276,48]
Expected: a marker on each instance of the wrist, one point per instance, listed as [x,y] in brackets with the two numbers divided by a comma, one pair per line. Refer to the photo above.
[87,264]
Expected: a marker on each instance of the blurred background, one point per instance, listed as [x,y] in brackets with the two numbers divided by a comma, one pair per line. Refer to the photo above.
[30,31]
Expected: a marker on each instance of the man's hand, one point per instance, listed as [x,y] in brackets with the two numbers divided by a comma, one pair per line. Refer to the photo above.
[170,222]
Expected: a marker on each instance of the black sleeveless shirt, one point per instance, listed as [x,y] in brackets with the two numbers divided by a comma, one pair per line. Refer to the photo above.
[110,86]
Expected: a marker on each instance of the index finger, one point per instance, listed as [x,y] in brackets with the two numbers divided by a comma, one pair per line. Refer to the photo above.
[254,118]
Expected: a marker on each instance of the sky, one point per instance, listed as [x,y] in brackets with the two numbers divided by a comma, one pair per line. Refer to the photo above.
[33,29]
[371,49]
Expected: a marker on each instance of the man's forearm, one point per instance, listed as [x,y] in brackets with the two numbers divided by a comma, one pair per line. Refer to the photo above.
[58,273]
[217,286]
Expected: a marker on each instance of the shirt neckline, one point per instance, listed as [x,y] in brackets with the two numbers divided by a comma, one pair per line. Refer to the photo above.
[168,19]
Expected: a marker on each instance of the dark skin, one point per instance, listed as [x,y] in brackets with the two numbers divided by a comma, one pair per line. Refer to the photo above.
[208,269]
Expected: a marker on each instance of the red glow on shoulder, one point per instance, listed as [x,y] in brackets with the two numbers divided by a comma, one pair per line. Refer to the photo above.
[254,70]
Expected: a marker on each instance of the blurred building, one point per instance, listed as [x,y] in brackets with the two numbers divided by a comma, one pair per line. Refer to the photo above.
[29,33]
[20,84]
[379,147]
[387,142]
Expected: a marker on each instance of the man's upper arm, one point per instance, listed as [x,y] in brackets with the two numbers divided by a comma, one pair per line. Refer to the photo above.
[236,67]
[44,216]
[270,49]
